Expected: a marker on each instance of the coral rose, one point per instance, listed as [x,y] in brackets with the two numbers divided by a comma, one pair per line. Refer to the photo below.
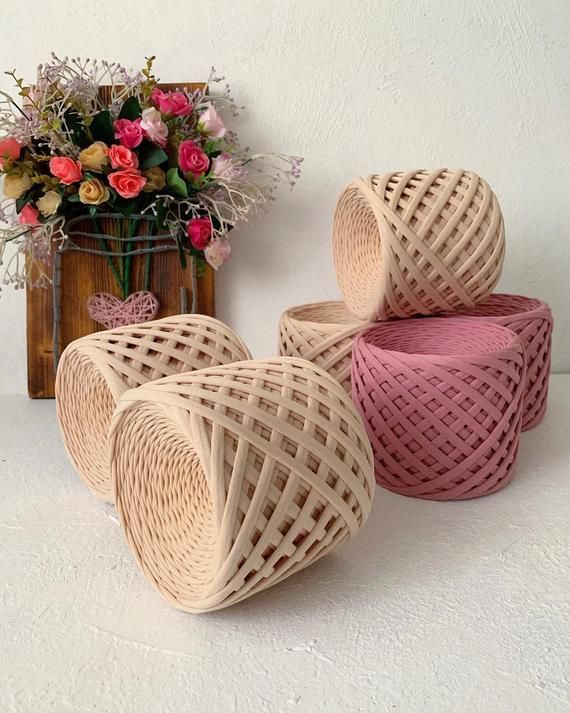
[128,184]
[29,215]
[66,169]
[94,157]
[122,157]
[199,231]
[93,192]
[9,148]
[192,159]
[15,185]
[129,133]
[49,203]
[155,179]
[173,103]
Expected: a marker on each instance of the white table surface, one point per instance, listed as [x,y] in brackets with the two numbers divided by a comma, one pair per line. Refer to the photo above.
[433,608]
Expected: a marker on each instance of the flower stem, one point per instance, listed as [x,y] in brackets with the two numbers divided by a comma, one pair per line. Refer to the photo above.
[132,229]
[105,248]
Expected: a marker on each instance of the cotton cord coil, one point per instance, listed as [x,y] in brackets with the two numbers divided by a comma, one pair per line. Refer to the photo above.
[229,479]
[323,333]
[442,402]
[420,242]
[95,370]
[532,320]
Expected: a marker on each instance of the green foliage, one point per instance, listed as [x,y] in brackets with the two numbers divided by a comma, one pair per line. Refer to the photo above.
[176,182]
[75,128]
[214,147]
[126,207]
[151,155]
[131,109]
[102,127]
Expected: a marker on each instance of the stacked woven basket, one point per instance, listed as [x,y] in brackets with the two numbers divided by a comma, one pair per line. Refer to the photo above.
[443,399]
[230,474]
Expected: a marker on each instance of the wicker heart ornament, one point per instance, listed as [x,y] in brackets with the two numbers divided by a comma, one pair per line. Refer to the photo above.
[112,312]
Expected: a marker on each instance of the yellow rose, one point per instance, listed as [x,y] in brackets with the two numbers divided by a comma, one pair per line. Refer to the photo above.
[155,179]
[49,203]
[93,192]
[94,157]
[15,185]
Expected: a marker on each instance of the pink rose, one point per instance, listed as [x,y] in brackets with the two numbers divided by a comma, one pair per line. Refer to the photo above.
[154,128]
[191,158]
[66,169]
[9,148]
[211,123]
[217,252]
[173,103]
[128,184]
[223,166]
[199,231]
[29,215]
[122,157]
[128,132]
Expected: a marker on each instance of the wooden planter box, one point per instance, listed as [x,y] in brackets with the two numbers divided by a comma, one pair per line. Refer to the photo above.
[85,274]
[82,276]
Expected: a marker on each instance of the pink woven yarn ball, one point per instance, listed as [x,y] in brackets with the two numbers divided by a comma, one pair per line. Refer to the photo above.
[531,319]
[442,402]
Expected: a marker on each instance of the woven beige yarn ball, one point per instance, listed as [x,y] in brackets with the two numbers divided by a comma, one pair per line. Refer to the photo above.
[229,479]
[414,243]
[95,370]
[321,332]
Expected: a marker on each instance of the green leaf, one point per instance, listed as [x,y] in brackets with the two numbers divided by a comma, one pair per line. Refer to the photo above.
[20,203]
[151,155]
[176,182]
[75,127]
[161,211]
[214,147]
[102,127]
[126,207]
[73,198]
[131,109]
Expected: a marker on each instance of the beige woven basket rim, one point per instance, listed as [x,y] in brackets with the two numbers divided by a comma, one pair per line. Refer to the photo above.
[298,313]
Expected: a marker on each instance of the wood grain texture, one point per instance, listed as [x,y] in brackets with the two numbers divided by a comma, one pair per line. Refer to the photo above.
[83,275]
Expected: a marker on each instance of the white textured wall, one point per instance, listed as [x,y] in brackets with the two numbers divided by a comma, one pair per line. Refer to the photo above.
[355,87]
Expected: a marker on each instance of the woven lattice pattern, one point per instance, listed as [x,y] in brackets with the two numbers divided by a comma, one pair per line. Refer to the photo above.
[229,479]
[323,333]
[421,242]
[532,320]
[95,370]
[442,402]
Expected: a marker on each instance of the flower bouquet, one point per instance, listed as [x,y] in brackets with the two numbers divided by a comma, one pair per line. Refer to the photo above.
[90,142]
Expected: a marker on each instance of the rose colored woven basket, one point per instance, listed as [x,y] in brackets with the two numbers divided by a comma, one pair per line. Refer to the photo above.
[229,479]
[442,401]
[95,370]
[420,242]
[531,319]
[323,333]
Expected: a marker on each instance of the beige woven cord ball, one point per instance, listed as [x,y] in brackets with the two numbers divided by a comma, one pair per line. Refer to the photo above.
[323,333]
[229,479]
[420,242]
[95,370]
